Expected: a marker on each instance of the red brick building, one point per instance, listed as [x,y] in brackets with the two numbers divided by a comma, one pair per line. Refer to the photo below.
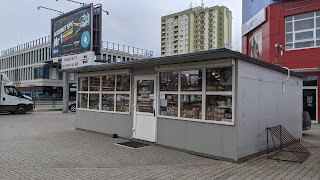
[294,25]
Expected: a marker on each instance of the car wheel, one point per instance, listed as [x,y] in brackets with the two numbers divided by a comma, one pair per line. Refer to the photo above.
[21,109]
[73,108]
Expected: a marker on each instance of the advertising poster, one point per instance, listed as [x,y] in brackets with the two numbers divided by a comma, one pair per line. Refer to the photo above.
[255,43]
[71,33]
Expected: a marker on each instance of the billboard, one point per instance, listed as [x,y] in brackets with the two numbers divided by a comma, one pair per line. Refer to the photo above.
[72,33]
[255,43]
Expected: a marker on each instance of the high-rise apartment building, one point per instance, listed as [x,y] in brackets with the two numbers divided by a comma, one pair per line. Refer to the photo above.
[196,29]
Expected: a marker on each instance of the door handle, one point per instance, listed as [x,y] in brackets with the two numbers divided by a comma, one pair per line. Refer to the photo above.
[154,113]
[4,99]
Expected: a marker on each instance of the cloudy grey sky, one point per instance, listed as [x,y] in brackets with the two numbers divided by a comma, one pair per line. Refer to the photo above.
[131,22]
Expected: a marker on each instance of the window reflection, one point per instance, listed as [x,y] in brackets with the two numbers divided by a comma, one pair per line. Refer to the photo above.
[123,82]
[219,79]
[108,83]
[169,81]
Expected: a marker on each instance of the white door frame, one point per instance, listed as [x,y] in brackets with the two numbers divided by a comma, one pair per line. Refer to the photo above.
[313,88]
[155,106]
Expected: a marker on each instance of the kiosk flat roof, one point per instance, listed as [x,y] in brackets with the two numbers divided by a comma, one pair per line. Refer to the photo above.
[211,55]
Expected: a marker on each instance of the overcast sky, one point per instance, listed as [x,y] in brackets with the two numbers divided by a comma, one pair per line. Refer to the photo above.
[132,22]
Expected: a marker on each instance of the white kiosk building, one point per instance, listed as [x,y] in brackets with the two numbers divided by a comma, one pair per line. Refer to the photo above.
[214,103]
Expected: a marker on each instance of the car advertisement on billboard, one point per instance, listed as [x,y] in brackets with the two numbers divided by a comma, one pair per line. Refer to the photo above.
[72,33]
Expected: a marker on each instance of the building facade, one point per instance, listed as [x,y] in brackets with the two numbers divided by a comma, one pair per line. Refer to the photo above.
[25,65]
[196,29]
[286,33]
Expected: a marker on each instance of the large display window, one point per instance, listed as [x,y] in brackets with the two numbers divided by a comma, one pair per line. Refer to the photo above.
[202,95]
[105,93]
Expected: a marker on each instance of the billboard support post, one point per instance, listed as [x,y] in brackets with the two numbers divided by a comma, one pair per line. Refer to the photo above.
[65,99]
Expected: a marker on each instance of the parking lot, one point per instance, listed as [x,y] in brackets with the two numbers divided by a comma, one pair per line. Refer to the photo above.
[45,145]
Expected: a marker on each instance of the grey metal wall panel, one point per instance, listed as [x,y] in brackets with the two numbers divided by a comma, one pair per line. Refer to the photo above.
[104,122]
[171,132]
[203,138]
[83,119]
[122,125]
[260,104]
[229,146]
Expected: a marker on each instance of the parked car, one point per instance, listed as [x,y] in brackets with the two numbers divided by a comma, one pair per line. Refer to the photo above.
[306,121]
[72,106]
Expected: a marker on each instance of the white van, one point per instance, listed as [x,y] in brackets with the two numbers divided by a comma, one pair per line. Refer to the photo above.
[11,100]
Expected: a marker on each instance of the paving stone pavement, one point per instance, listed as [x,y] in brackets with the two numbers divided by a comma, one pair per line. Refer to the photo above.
[45,145]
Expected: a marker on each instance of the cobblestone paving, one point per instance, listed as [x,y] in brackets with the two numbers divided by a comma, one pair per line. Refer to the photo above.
[45,145]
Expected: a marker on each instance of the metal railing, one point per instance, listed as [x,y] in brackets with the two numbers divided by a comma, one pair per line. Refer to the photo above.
[105,44]
[127,49]
[27,45]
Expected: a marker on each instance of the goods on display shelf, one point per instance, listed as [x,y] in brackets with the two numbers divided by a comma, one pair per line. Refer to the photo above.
[83,84]
[95,84]
[169,111]
[195,113]
[219,114]
[123,103]
[169,105]
[107,102]
[123,107]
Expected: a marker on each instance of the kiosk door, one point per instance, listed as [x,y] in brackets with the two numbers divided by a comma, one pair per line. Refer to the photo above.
[144,123]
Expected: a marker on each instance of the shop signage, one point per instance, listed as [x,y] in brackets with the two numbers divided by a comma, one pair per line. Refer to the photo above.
[254,22]
[78,60]
[73,87]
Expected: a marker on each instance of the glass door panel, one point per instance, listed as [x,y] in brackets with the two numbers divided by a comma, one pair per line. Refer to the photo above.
[310,102]
[145,96]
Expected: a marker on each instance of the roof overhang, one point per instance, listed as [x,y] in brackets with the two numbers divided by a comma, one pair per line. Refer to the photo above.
[211,55]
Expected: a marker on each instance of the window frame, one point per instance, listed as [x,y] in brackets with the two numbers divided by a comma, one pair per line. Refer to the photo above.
[204,93]
[291,19]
